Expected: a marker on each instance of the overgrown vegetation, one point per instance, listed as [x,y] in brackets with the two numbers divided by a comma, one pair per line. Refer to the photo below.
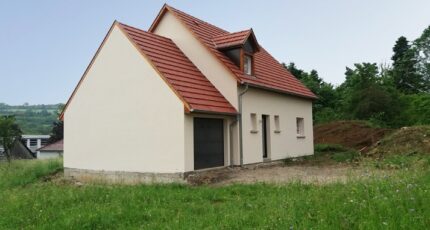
[399,201]
[24,172]
[9,132]
[387,96]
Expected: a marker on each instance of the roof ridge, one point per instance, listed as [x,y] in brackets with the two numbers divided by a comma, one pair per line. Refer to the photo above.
[49,145]
[195,18]
[206,33]
[232,33]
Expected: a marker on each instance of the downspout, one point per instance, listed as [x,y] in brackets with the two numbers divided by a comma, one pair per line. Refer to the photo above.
[239,118]
[231,140]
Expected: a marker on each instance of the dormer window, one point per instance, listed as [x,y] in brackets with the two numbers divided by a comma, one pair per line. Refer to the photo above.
[247,64]
[240,47]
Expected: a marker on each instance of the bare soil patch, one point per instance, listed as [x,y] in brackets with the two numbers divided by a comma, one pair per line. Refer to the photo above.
[281,174]
[356,135]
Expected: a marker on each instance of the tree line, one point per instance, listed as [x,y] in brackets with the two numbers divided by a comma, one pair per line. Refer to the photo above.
[386,95]
[32,119]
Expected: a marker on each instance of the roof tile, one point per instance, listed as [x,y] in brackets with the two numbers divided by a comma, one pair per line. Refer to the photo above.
[269,73]
[231,39]
[180,73]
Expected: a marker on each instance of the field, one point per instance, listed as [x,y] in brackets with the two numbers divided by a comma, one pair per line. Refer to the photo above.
[32,198]
[391,190]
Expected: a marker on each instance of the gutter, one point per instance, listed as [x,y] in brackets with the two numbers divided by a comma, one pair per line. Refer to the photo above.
[239,118]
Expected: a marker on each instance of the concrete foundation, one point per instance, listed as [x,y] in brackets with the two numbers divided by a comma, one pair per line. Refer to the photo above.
[117,177]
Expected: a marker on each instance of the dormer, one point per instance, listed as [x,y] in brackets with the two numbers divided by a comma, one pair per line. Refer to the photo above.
[240,47]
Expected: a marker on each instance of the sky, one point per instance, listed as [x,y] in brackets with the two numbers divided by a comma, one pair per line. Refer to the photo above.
[45,46]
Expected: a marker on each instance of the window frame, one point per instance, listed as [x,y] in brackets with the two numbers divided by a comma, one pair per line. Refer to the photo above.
[277,123]
[254,123]
[300,127]
[242,62]
[33,142]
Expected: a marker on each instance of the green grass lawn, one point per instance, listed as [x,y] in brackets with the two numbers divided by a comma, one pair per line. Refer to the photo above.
[29,201]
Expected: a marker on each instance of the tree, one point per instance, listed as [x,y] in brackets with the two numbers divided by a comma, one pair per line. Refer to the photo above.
[405,74]
[9,132]
[57,132]
[327,97]
[422,47]
[365,96]
[298,73]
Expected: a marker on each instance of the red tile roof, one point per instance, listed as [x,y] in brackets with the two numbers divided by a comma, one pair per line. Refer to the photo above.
[231,39]
[269,73]
[56,146]
[194,89]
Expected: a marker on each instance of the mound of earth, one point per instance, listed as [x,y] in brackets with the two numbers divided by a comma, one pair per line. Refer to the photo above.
[406,141]
[356,135]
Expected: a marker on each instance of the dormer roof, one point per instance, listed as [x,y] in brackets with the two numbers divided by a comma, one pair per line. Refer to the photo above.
[236,39]
[269,73]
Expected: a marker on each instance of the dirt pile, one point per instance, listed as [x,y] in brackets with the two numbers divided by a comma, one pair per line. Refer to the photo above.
[352,134]
[405,141]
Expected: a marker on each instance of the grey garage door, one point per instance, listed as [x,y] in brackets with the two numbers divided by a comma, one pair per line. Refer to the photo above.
[208,143]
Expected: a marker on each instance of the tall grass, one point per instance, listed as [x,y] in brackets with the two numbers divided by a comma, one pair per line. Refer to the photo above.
[400,201]
[22,172]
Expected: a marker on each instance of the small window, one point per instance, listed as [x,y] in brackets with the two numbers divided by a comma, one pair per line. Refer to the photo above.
[43,142]
[277,124]
[300,126]
[254,123]
[33,142]
[247,65]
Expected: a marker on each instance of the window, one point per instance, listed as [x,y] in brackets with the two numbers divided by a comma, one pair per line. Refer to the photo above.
[254,123]
[33,142]
[43,142]
[277,125]
[247,65]
[300,127]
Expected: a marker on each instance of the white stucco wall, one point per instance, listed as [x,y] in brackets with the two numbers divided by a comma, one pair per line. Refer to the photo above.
[216,72]
[124,117]
[284,144]
[42,155]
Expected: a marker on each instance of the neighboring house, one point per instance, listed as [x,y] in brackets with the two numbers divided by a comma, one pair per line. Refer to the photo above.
[182,96]
[49,151]
[34,142]
[18,151]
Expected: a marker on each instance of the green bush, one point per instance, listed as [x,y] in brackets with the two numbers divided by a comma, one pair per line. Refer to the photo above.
[335,152]
[329,148]
[345,156]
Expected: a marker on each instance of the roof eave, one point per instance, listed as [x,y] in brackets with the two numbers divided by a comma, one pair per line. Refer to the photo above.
[213,112]
[313,98]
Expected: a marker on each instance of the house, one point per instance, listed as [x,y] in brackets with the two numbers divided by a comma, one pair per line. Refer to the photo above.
[17,151]
[183,96]
[34,142]
[53,150]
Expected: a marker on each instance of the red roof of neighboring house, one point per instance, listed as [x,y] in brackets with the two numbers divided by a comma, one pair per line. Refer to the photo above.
[194,89]
[56,146]
[231,39]
[269,73]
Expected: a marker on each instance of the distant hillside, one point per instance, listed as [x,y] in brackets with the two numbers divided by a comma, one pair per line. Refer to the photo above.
[33,119]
